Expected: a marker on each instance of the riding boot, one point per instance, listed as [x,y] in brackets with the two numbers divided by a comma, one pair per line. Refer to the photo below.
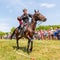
[20,28]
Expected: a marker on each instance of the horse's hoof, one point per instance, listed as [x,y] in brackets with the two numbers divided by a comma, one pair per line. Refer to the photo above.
[17,48]
[30,50]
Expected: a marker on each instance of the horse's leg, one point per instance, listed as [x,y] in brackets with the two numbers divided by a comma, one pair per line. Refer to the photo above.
[17,41]
[31,45]
[17,38]
[28,45]
[30,42]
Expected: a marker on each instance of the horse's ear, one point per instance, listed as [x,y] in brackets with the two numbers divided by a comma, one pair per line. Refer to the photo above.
[35,11]
[38,10]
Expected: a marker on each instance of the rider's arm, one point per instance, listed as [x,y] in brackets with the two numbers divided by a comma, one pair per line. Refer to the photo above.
[18,18]
[22,17]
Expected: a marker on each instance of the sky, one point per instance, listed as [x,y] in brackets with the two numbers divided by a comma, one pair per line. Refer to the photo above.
[10,9]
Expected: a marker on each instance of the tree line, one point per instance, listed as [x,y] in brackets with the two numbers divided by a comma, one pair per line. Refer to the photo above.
[38,28]
[47,27]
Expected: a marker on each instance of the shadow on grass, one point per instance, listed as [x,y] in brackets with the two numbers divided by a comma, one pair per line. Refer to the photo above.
[24,49]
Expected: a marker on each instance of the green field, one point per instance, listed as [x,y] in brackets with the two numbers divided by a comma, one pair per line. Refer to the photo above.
[43,50]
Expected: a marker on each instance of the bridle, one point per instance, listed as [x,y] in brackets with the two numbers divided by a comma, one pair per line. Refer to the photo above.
[40,23]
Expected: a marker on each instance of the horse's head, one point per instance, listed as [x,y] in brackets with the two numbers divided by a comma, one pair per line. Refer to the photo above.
[39,17]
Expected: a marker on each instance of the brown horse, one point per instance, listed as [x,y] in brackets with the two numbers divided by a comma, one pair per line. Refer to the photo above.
[30,30]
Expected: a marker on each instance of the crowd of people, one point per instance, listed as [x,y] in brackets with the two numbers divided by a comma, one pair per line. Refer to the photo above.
[51,34]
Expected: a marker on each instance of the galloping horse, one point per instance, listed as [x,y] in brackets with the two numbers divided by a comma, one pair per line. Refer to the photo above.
[37,16]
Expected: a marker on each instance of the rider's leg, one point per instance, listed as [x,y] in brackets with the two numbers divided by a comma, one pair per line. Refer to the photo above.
[19,28]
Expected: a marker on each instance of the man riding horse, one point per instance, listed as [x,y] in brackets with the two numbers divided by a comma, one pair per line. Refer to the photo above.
[29,32]
[23,21]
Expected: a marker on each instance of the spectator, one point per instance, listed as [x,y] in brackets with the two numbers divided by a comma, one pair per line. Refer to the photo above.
[51,33]
[42,34]
[39,35]
[55,34]
[45,34]
[58,33]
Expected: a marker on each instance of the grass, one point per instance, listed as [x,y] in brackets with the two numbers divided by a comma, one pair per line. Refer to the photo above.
[43,50]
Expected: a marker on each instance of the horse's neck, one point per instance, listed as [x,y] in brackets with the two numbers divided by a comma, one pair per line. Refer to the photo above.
[33,24]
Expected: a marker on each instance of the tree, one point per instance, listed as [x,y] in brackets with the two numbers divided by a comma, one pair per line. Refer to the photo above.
[1,34]
[47,27]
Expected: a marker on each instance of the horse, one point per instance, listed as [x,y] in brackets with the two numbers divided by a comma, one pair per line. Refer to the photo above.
[30,30]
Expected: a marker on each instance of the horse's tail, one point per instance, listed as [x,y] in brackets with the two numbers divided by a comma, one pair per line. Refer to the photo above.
[12,34]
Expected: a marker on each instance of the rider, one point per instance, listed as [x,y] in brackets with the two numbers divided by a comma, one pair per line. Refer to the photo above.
[24,19]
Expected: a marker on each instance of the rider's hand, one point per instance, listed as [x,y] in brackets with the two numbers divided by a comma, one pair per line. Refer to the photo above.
[18,18]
